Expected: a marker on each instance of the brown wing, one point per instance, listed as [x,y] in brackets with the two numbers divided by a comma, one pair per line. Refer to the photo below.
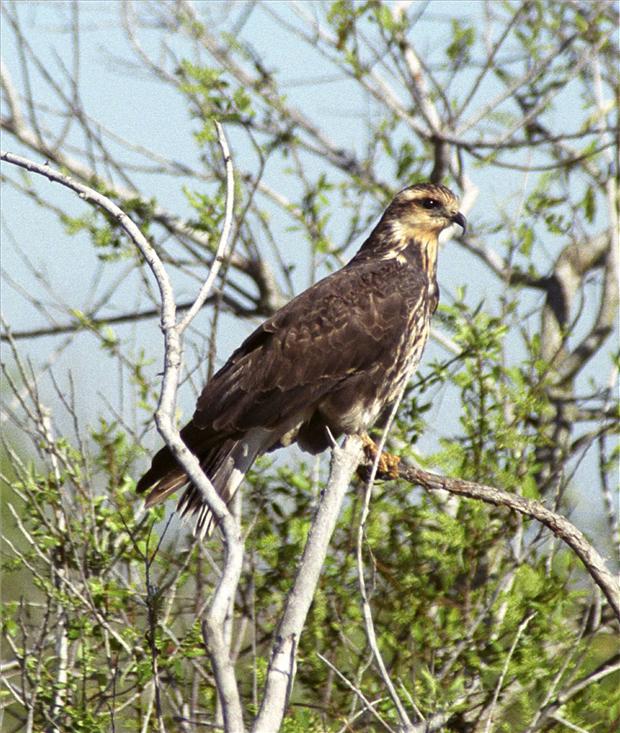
[338,328]
[342,331]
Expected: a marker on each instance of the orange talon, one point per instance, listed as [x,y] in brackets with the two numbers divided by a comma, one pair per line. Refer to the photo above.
[388,463]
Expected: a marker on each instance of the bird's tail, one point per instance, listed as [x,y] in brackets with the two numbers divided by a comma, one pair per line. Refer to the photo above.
[225,462]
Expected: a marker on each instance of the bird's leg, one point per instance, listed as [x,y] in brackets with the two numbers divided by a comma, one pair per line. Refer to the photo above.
[388,464]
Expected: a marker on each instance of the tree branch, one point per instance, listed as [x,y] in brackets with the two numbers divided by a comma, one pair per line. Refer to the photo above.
[164,416]
[559,525]
[88,322]
[281,671]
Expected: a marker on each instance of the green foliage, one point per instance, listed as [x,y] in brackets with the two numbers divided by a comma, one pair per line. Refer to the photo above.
[209,209]
[463,39]
[213,97]
[105,232]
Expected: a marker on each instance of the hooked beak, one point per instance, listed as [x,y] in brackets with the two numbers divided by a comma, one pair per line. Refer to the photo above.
[461,221]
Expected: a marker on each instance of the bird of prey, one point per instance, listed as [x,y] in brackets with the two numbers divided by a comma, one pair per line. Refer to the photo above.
[325,364]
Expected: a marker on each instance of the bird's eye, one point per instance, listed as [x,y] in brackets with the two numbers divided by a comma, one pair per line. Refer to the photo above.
[430,203]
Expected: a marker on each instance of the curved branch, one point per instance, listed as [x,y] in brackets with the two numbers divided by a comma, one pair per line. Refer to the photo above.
[222,251]
[164,417]
[171,222]
[559,525]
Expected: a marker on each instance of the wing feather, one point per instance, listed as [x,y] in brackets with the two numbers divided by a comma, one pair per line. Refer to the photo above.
[338,328]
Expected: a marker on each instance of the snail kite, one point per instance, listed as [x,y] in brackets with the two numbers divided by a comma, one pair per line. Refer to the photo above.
[326,363]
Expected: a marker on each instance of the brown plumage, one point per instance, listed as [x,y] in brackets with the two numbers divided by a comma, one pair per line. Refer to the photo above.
[333,357]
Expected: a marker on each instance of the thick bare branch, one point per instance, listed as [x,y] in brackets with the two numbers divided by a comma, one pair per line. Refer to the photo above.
[282,665]
[164,415]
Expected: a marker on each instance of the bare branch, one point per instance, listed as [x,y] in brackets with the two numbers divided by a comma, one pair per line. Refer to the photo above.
[368,705]
[223,668]
[559,525]
[223,246]
[281,671]
[369,625]
[11,96]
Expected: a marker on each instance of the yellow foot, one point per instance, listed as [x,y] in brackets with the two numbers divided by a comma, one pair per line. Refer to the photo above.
[388,463]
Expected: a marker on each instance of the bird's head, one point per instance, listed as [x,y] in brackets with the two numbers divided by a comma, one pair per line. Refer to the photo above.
[422,211]
[411,225]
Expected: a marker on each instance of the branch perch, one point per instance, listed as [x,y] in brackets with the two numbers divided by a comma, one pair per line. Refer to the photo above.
[559,525]
[213,622]
[281,671]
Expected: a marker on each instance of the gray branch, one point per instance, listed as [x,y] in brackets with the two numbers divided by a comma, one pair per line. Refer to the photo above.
[559,525]
[281,671]
[164,416]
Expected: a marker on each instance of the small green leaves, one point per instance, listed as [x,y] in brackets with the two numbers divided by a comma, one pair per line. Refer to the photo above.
[463,39]
[212,96]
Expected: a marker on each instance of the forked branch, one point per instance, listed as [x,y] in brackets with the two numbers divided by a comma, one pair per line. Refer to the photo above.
[173,329]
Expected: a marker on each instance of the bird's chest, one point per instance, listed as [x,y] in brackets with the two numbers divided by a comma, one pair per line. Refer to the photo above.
[397,328]
[408,347]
